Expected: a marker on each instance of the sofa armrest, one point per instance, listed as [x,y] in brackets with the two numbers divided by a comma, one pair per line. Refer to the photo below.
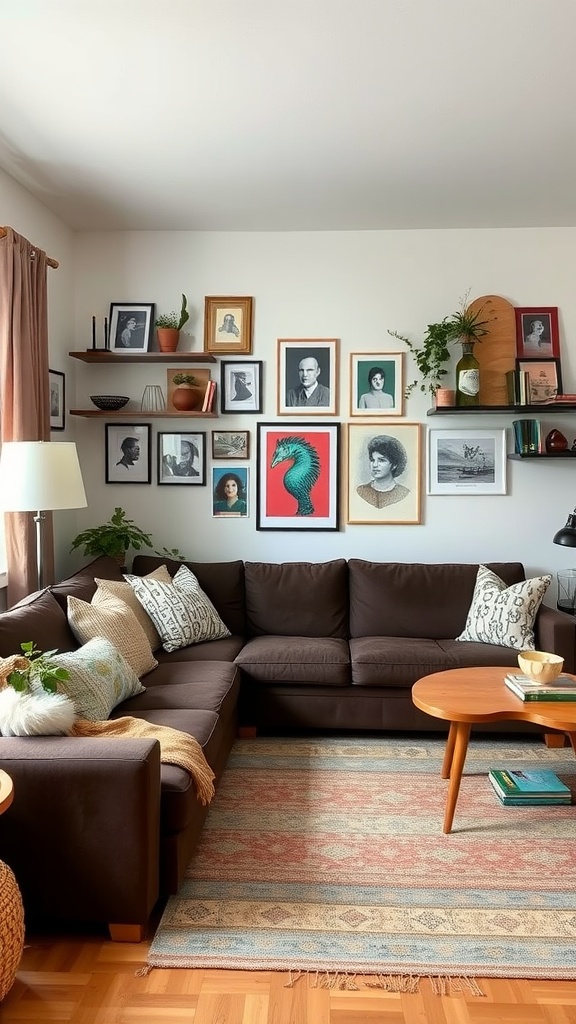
[556,633]
[83,832]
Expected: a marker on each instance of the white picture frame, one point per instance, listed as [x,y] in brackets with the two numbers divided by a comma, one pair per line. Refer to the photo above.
[467,461]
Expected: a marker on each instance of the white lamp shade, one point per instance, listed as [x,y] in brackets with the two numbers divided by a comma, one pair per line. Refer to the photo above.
[38,476]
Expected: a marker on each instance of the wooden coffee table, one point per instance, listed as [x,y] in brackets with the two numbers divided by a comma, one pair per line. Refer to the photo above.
[465,696]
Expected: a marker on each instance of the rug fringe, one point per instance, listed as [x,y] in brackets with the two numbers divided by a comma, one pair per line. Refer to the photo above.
[142,972]
[442,985]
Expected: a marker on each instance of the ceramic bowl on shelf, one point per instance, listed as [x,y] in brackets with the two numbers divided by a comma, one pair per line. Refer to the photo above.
[540,666]
[109,403]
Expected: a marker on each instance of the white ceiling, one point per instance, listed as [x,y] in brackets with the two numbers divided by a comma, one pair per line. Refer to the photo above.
[292,114]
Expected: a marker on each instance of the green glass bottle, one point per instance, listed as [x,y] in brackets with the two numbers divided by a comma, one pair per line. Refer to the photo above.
[467,376]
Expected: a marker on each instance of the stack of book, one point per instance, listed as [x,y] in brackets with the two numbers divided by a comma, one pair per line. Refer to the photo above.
[518,387]
[522,788]
[208,402]
[563,688]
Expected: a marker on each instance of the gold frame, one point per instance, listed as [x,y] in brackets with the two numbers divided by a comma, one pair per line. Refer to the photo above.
[408,510]
[239,339]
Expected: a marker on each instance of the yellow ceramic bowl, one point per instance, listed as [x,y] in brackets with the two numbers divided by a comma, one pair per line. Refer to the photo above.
[540,666]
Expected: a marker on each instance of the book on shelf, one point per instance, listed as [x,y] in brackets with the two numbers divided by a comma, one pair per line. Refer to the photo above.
[563,688]
[519,783]
[206,395]
[209,396]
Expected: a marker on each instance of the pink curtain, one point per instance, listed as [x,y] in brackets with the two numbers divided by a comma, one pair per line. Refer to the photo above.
[24,392]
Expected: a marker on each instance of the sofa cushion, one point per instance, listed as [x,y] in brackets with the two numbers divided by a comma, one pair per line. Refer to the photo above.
[197,685]
[323,660]
[504,615]
[415,599]
[83,583]
[222,582]
[399,661]
[40,618]
[180,610]
[297,599]
[122,590]
[113,619]
[100,678]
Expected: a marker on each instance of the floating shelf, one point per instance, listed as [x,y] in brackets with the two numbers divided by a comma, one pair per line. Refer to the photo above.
[527,410]
[133,414]
[518,457]
[91,355]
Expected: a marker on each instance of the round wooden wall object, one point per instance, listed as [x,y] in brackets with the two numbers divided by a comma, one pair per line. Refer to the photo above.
[496,353]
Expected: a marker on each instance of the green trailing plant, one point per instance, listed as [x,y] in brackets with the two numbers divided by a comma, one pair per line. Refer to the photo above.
[171,553]
[40,669]
[185,378]
[174,320]
[434,353]
[113,538]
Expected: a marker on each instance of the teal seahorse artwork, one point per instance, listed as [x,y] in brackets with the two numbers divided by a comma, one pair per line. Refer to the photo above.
[300,477]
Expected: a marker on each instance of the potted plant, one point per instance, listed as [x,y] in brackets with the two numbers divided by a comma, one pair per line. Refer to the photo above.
[434,353]
[185,396]
[169,325]
[113,538]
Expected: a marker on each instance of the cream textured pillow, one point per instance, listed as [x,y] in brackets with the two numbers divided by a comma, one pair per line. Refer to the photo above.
[504,615]
[125,593]
[117,622]
[180,610]
[100,678]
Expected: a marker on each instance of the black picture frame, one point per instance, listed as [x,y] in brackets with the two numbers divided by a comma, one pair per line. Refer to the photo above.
[240,386]
[121,467]
[181,458]
[57,386]
[124,338]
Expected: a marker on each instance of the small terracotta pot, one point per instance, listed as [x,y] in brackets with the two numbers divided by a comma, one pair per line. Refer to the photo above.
[445,397]
[168,338]
[184,398]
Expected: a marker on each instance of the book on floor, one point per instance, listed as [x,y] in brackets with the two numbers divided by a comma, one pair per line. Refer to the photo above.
[520,783]
[563,688]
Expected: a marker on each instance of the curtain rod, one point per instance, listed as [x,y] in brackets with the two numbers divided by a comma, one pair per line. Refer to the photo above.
[49,260]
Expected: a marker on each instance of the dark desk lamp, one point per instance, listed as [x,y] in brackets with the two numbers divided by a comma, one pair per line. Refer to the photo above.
[567,535]
[566,601]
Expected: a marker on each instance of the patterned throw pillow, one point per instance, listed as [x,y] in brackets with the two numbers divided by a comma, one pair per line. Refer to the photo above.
[100,678]
[504,615]
[117,588]
[180,610]
[113,619]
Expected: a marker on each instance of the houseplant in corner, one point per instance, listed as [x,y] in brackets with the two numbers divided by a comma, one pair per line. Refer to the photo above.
[185,396]
[113,538]
[169,325]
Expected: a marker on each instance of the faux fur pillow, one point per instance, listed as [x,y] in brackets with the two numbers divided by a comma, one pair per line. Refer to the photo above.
[123,591]
[113,619]
[182,613]
[35,714]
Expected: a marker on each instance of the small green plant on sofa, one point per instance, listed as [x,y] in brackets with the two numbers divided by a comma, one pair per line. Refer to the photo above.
[174,320]
[39,668]
[113,538]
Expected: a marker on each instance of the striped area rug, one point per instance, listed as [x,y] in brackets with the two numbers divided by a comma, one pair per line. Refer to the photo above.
[328,855]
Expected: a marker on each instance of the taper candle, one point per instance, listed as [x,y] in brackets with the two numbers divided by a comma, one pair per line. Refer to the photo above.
[105,332]
[93,332]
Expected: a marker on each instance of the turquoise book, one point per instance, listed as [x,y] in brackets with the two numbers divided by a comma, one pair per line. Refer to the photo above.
[524,783]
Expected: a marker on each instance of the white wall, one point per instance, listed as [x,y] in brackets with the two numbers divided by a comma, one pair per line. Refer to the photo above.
[347,285]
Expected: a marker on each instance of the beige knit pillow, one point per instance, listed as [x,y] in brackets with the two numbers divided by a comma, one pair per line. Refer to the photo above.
[116,622]
[125,593]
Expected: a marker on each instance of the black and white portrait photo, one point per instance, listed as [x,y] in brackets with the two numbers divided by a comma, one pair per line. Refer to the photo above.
[384,473]
[182,458]
[57,403]
[128,453]
[130,326]
[307,376]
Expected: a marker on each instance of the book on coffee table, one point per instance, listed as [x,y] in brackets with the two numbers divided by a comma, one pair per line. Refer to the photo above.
[516,786]
[563,688]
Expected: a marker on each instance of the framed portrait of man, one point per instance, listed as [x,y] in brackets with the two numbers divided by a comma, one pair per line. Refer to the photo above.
[384,473]
[307,377]
[130,327]
[128,453]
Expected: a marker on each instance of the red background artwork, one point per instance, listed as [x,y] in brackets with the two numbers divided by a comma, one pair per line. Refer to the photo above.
[278,501]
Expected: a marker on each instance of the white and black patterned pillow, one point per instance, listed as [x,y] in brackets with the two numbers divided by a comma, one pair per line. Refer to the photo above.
[180,610]
[504,615]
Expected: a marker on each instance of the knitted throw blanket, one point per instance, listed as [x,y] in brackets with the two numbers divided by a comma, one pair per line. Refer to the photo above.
[175,747]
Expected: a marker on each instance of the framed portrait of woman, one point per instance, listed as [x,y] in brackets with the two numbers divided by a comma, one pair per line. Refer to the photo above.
[230,492]
[384,473]
[376,384]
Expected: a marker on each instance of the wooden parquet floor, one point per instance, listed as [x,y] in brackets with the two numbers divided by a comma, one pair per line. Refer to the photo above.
[89,980]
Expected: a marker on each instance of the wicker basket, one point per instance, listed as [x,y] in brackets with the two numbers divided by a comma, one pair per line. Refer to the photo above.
[11,928]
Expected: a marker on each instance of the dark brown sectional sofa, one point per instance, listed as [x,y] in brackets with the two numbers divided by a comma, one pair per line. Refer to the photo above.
[99,829]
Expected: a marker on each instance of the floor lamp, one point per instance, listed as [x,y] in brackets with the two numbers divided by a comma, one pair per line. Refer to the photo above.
[566,601]
[40,477]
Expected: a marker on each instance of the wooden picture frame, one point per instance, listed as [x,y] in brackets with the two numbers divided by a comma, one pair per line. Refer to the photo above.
[467,461]
[181,458]
[544,379]
[128,456]
[537,332]
[384,473]
[228,324]
[240,387]
[57,388]
[298,476]
[230,444]
[228,504]
[307,376]
[131,325]
[376,384]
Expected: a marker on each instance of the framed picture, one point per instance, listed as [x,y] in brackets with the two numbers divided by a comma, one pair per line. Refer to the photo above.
[181,458]
[544,379]
[384,473]
[297,480]
[376,383]
[467,461]
[537,332]
[130,326]
[57,386]
[230,444]
[307,376]
[230,492]
[240,387]
[128,457]
[228,325]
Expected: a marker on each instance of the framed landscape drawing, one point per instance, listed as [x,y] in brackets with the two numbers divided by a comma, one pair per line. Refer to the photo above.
[297,479]
[130,326]
[376,384]
[228,325]
[537,334]
[307,377]
[384,473]
[230,444]
[467,461]
[128,458]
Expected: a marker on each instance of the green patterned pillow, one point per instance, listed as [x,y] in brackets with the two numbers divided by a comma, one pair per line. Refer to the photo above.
[180,610]
[504,615]
[100,678]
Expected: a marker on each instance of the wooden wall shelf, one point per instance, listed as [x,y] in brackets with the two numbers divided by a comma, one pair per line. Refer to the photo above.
[134,414]
[102,356]
[526,410]
[518,457]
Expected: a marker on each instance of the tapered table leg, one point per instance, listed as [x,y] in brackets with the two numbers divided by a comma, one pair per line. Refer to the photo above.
[449,752]
[462,734]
